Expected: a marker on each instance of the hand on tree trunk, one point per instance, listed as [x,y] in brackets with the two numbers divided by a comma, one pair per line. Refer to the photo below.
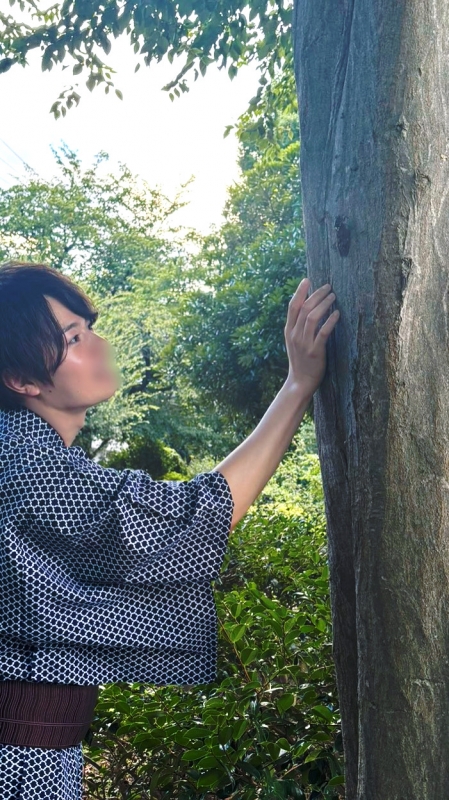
[307,352]
[250,466]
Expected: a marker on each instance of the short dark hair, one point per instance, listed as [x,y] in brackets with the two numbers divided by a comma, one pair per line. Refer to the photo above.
[32,342]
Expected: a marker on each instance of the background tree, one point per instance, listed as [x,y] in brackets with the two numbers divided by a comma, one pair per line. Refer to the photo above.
[112,234]
[98,227]
[230,332]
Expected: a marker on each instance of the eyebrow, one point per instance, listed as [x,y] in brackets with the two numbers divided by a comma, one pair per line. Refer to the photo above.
[72,325]
[69,327]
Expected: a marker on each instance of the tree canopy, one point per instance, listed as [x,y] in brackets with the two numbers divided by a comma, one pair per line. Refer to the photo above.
[229,33]
[97,227]
[230,330]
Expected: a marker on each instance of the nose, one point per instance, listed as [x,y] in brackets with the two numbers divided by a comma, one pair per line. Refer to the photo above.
[100,344]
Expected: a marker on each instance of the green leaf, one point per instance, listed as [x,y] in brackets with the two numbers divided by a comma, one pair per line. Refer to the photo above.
[215,702]
[104,41]
[6,64]
[313,756]
[199,732]
[120,705]
[267,602]
[321,736]
[46,59]
[298,751]
[194,755]
[225,734]
[272,749]
[277,627]
[248,654]
[246,766]
[210,779]
[323,711]
[146,739]
[285,702]
[337,780]
[309,696]
[284,744]
[239,729]
[208,762]
[292,636]
[235,632]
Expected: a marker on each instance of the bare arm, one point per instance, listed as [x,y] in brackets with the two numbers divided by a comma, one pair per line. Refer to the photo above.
[250,466]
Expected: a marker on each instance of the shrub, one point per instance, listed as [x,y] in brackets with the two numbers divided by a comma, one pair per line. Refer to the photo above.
[269,727]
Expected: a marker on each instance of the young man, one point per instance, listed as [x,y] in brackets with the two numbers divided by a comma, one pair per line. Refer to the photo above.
[106,574]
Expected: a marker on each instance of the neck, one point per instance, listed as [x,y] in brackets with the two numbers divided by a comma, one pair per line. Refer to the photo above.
[67,422]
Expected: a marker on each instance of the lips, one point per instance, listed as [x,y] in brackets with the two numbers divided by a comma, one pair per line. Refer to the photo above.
[105,370]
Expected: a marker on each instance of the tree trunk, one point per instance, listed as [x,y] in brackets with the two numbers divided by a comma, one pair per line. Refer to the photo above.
[373,91]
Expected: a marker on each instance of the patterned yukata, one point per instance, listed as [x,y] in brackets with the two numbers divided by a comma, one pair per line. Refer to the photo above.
[105,577]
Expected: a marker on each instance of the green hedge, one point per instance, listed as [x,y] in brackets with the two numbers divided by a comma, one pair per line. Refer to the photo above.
[269,727]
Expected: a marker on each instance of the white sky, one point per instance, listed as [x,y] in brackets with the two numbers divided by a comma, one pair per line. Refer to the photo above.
[162,141]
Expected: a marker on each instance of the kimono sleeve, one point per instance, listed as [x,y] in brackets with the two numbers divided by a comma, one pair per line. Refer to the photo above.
[115,527]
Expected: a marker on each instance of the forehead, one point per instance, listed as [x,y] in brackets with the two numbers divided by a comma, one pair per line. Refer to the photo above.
[61,312]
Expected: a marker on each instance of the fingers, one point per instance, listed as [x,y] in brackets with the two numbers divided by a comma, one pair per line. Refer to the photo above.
[296,303]
[314,306]
[314,316]
[327,328]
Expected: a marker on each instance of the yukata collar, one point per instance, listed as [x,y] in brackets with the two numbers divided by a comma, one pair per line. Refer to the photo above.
[24,424]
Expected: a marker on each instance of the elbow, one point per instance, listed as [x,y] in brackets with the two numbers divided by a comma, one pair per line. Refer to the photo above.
[236,517]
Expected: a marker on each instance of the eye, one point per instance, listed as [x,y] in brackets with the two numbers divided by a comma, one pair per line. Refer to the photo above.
[90,326]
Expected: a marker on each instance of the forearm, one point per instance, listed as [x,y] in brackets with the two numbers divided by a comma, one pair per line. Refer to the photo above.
[250,466]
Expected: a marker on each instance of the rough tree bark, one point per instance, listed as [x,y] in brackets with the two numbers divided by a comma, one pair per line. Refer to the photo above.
[373,91]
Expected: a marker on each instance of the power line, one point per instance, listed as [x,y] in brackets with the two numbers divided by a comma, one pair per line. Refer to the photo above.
[6,162]
[14,177]
[9,179]
[19,157]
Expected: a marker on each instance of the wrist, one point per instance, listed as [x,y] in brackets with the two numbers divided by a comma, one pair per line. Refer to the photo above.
[300,390]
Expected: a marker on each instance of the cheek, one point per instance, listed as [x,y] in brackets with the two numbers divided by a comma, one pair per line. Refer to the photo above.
[83,367]
[73,368]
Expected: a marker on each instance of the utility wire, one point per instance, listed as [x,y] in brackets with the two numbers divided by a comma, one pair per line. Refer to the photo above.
[17,155]
[15,177]
[6,162]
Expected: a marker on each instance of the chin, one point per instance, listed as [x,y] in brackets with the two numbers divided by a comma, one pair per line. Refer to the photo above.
[109,389]
[112,386]
[104,397]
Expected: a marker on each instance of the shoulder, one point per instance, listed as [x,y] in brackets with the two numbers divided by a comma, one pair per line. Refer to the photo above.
[28,463]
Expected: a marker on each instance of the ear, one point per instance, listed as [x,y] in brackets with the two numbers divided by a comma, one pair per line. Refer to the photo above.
[18,385]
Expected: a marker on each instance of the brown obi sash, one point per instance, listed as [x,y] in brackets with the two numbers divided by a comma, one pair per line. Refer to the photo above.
[35,714]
